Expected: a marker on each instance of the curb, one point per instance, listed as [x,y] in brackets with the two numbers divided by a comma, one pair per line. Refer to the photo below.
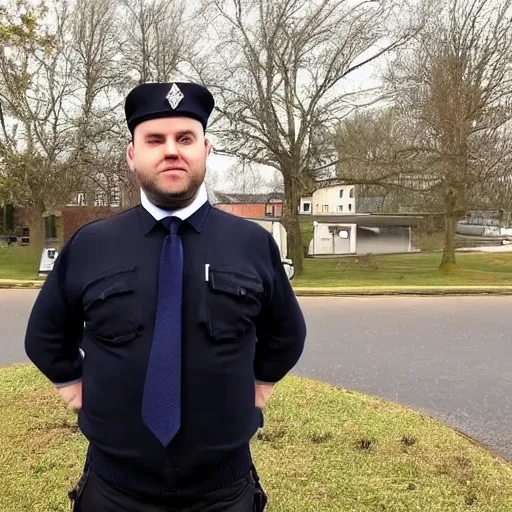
[301,291]
[19,284]
[403,290]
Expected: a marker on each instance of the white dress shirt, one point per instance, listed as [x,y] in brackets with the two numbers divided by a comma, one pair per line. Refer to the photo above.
[183,213]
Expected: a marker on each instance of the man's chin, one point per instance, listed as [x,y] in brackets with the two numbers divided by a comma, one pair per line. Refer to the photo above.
[170,197]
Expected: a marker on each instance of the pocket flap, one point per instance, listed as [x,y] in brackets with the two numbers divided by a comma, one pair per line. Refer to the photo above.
[107,285]
[235,282]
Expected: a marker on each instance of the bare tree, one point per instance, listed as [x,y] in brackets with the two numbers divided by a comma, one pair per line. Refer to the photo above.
[35,86]
[277,72]
[156,39]
[98,81]
[97,75]
[379,151]
[455,88]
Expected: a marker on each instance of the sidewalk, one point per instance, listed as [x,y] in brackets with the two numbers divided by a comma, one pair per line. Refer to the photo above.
[339,291]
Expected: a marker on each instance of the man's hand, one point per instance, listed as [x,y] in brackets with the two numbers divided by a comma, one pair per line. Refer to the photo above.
[263,392]
[72,395]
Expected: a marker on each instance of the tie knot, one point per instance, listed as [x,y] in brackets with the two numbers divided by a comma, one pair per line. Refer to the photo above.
[171,224]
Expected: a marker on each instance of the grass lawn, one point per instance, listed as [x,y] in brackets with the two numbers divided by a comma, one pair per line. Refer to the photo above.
[18,262]
[415,269]
[323,449]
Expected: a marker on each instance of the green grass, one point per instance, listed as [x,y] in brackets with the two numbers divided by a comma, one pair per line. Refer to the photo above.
[18,262]
[414,269]
[323,449]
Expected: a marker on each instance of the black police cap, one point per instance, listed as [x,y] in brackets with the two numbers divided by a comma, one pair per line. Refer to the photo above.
[176,99]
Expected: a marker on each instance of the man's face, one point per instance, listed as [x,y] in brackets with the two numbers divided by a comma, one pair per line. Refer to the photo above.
[168,156]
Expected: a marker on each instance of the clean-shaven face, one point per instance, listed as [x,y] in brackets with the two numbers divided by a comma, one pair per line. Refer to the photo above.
[168,157]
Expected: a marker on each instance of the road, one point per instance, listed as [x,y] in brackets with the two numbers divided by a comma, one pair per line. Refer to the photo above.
[450,357]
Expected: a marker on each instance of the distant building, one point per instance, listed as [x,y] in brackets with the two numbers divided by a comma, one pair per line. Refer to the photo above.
[249,205]
[361,234]
[340,227]
[340,199]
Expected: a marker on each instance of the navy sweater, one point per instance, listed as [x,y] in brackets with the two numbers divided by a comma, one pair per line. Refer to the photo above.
[242,324]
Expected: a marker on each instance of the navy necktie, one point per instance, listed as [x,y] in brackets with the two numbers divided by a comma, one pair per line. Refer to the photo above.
[161,402]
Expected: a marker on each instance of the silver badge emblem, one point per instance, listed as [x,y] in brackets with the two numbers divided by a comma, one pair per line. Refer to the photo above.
[174,96]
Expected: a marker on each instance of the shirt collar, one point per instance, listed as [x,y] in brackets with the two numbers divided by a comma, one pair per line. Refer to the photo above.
[195,213]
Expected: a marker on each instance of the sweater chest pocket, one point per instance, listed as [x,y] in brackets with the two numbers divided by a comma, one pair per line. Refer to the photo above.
[111,308]
[233,301]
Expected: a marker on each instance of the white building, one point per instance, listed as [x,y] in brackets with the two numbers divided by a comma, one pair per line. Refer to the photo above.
[361,234]
[337,200]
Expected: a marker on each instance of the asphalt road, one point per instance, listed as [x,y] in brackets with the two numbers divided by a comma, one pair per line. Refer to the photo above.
[450,357]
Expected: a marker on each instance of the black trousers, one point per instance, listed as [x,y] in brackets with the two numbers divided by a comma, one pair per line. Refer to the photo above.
[94,494]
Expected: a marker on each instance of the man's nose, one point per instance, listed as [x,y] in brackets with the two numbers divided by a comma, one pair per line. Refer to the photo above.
[171,148]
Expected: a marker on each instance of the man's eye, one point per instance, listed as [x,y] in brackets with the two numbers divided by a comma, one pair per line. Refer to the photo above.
[153,141]
[185,140]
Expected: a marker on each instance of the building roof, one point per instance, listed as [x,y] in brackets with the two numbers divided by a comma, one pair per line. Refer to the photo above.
[237,198]
[369,221]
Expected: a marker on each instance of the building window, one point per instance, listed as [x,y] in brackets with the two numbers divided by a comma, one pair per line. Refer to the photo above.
[269,210]
[350,207]
[100,199]
[341,193]
[352,193]
[325,208]
[81,200]
[50,227]
[340,208]
[307,207]
[115,196]
[25,236]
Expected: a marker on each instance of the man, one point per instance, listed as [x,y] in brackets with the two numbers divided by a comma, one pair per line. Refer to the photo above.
[166,327]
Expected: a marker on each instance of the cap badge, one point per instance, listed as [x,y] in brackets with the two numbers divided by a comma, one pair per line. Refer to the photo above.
[174,96]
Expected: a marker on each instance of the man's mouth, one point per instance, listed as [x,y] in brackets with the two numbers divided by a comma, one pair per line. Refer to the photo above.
[173,170]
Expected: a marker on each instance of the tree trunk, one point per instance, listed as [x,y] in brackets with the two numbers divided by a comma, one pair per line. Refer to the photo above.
[451,201]
[448,263]
[37,240]
[291,223]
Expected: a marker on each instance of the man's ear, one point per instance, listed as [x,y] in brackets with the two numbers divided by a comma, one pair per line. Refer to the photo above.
[208,145]
[129,157]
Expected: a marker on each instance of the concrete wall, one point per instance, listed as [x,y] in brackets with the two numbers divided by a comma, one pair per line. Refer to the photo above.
[330,197]
[382,240]
[327,240]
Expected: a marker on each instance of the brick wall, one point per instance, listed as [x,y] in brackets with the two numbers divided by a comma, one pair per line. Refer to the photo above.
[73,217]
[23,218]
[250,210]
[243,210]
